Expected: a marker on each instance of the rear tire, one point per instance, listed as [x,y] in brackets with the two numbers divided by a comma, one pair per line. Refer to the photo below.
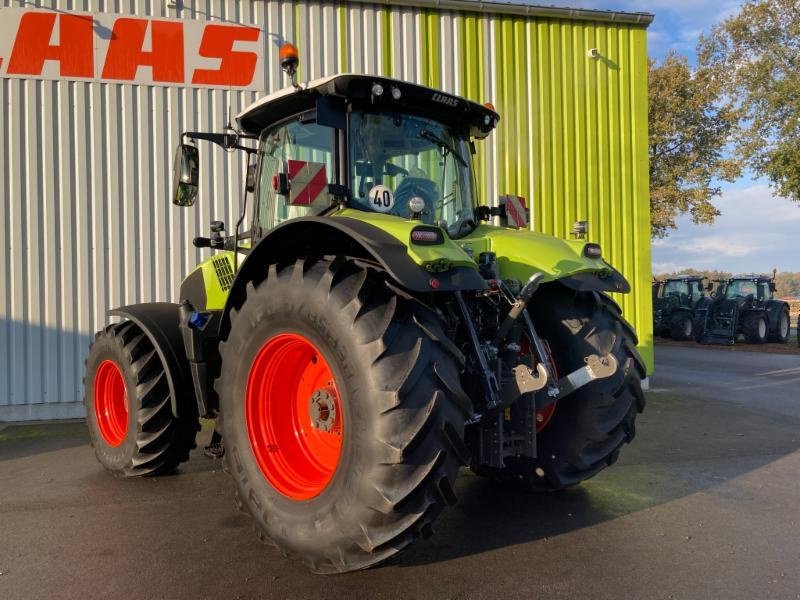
[400,407]
[782,328]
[129,408]
[755,327]
[590,426]
[681,326]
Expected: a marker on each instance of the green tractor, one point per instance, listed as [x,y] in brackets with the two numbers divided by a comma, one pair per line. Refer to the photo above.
[675,300]
[370,332]
[744,305]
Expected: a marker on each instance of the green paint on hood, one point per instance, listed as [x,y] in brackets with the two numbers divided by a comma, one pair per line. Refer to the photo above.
[520,253]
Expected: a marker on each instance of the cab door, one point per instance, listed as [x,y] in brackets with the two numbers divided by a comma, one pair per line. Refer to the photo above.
[295,168]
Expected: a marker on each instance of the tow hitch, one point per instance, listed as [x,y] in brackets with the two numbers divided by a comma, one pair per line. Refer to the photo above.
[597,367]
[526,381]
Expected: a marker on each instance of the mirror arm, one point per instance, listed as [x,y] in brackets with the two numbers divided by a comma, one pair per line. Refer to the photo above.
[228,141]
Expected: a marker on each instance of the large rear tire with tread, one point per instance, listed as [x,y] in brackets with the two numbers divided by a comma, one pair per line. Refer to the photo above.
[782,328]
[590,426]
[129,408]
[393,387]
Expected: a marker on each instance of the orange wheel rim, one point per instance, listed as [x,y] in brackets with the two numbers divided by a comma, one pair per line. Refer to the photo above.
[294,416]
[111,403]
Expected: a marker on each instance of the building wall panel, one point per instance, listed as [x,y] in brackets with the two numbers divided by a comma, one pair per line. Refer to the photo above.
[85,166]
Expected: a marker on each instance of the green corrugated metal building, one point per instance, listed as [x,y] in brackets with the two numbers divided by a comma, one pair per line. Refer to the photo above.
[570,85]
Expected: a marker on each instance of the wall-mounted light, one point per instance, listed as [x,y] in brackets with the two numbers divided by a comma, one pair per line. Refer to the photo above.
[593,53]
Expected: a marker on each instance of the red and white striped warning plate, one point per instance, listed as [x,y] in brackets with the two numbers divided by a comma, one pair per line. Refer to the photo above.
[516,211]
[308,182]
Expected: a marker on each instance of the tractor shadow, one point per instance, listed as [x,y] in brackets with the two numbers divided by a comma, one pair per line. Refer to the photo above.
[671,458]
[28,439]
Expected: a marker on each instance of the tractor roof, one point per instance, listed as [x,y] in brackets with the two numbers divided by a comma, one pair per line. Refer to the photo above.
[685,277]
[751,276]
[471,118]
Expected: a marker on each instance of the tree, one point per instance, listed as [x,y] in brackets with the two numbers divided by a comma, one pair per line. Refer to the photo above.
[711,275]
[755,56]
[689,132]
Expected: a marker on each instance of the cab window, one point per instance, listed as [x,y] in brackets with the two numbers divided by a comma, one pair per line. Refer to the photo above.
[295,168]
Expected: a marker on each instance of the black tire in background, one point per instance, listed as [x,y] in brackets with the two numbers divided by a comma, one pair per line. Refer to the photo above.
[151,440]
[590,426]
[782,327]
[755,327]
[681,325]
[699,326]
[401,400]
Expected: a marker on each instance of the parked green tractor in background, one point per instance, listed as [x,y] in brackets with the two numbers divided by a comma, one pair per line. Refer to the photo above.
[379,333]
[744,305]
[675,300]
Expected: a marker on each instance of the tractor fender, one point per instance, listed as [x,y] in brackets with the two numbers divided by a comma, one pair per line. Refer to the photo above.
[589,281]
[314,236]
[159,322]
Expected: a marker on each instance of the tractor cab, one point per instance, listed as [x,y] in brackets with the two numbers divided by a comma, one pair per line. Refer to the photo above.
[368,143]
[686,289]
[363,142]
[759,288]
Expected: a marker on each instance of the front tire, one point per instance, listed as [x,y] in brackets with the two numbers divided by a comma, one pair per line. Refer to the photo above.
[129,408]
[699,326]
[590,426]
[383,466]
[755,327]
[681,326]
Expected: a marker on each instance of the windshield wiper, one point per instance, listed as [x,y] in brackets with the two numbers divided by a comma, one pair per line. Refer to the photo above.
[442,144]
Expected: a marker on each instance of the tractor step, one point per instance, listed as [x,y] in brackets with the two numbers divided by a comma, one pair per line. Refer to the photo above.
[718,336]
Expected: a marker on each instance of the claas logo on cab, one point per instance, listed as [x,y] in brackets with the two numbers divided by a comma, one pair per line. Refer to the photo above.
[42,44]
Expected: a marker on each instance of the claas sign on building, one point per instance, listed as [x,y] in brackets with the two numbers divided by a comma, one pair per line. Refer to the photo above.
[127,49]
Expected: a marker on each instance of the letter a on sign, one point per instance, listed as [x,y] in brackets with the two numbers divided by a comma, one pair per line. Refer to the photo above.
[125,54]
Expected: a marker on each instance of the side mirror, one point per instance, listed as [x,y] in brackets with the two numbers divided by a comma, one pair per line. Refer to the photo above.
[772,287]
[185,175]
[250,183]
[709,286]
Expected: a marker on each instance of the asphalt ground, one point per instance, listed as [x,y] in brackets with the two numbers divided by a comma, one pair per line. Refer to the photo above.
[704,504]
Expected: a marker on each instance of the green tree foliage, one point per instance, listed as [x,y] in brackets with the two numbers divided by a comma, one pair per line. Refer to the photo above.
[755,57]
[709,274]
[788,285]
[689,131]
